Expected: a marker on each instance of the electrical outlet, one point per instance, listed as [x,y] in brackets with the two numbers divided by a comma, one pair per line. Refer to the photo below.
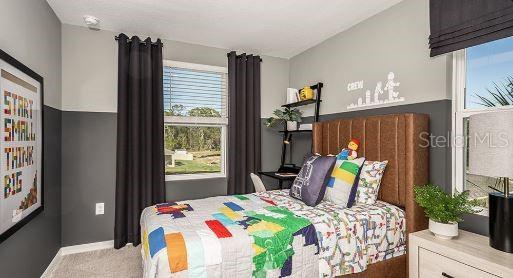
[100,208]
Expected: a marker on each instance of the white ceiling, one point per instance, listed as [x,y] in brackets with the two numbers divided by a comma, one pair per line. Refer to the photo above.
[281,28]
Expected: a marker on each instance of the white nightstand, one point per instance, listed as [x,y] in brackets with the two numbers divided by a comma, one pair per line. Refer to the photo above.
[468,255]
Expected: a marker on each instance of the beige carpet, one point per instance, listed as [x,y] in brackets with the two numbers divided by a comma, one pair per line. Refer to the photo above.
[109,263]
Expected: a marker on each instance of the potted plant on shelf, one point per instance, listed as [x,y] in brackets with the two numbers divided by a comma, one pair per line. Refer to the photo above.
[443,210]
[291,116]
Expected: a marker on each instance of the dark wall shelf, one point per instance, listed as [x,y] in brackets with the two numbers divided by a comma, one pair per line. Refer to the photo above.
[287,135]
[301,103]
[295,131]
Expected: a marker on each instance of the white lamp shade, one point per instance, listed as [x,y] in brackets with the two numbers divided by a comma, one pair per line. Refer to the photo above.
[490,144]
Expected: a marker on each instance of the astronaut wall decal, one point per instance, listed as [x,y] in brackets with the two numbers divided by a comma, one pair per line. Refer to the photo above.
[392,94]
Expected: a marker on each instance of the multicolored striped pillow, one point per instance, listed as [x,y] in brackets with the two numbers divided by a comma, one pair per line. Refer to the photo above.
[343,182]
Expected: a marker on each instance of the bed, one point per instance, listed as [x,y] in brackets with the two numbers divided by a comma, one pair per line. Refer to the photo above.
[270,234]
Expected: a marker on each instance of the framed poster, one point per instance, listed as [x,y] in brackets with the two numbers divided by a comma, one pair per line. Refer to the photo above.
[21,145]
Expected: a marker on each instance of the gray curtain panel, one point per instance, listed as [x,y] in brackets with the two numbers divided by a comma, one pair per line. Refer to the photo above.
[458,24]
[140,135]
[244,156]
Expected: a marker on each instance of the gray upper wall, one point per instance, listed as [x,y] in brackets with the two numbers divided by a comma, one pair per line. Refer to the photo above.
[90,59]
[394,40]
[31,33]
[90,85]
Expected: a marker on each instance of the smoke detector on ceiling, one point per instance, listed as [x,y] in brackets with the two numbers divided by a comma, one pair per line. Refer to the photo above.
[92,22]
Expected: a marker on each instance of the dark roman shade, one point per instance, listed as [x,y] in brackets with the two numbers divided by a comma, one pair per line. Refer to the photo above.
[458,24]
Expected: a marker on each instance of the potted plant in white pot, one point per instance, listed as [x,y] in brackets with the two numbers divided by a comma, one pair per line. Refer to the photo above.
[443,210]
[289,116]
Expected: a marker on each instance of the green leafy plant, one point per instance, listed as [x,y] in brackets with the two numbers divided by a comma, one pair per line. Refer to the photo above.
[442,207]
[501,95]
[280,116]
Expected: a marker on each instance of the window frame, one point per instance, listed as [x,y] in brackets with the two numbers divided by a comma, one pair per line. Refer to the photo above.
[221,122]
[459,113]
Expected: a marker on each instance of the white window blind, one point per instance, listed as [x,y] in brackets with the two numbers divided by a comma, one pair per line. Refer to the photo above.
[195,92]
[195,120]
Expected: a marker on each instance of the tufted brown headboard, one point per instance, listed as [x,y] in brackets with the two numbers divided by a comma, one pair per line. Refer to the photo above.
[396,138]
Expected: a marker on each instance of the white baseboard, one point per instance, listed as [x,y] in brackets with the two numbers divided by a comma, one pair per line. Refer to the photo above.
[73,249]
[55,261]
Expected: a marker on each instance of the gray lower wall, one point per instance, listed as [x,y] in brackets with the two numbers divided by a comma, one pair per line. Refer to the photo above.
[89,177]
[89,161]
[28,252]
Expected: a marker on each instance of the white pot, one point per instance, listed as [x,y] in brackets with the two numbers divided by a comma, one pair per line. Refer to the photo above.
[443,231]
[291,126]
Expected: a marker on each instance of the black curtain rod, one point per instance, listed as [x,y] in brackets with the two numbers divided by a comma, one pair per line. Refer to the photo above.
[129,40]
[228,54]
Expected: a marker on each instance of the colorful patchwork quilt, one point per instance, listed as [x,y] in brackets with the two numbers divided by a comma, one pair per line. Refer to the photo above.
[267,234]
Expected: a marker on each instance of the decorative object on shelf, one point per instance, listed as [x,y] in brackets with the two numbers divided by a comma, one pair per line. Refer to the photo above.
[349,153]
[291,125]
[370,99]
[289,115]
[491,154]
[21,115]
[288,134]
[305,127]
[292,95]
[306,93]
[443,210]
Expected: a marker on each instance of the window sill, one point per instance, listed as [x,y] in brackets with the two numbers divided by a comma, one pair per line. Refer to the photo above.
[185,177]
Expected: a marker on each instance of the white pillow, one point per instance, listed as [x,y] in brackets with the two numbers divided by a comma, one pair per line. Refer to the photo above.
[369,182]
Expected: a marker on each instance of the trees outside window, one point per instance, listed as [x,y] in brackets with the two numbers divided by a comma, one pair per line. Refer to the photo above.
[196,119]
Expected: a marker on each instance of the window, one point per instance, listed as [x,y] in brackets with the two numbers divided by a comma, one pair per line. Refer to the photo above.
[482,82]
[195,119]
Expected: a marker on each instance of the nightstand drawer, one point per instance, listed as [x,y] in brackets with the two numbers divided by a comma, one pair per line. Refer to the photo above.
[435,265]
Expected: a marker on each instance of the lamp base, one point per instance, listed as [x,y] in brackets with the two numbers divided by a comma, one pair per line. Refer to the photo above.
[501,221]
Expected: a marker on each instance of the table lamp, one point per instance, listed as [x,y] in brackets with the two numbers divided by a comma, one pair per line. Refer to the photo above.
[491,154]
